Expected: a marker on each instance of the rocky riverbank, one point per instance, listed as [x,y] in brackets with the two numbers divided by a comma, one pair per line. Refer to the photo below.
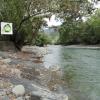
[24,77]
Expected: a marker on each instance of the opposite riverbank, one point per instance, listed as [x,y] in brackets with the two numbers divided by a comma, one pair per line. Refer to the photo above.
[80,46]
[84,46]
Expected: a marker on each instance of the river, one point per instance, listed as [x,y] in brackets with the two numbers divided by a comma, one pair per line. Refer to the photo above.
[81,70]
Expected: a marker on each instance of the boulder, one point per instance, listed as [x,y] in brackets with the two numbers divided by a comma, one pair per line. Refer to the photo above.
[20,98]
[4,98]
[18,90]
[8,60]
[35,97]
[66,98]
[15,72]
[46,94]
[4,84]
[27,97]
[27,49]
[35,50]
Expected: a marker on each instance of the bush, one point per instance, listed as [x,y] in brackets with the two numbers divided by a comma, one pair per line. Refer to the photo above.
[41,39]
[89,36]
[73,32]
[69,33]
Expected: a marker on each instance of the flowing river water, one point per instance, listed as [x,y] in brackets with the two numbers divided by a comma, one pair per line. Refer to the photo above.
[81,70]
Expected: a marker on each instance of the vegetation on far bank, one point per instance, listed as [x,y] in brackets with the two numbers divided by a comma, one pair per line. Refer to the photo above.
[27,18]
[79,32]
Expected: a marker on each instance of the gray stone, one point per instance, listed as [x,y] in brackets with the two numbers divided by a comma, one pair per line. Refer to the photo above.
[65,98]
[0,58]
[20,98]
[27,97]
[35,97]
[46,99]
[18,90]
[35,50]
[46,94]
[2,93]
[8,60]
[5,98]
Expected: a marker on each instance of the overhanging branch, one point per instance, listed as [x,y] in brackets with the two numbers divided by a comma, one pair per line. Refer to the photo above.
[34,15]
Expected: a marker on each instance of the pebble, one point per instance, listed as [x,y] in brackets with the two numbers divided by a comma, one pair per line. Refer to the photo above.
[5,98]
[66,98]
[27,97]
[20,98]
[18,90]
[8,60]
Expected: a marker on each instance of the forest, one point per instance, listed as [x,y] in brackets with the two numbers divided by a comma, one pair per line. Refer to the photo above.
[80,25]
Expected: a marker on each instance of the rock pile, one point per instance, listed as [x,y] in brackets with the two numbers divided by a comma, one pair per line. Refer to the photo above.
[33,82]
[7,71]
[14,93]
[36,51]
[18,93]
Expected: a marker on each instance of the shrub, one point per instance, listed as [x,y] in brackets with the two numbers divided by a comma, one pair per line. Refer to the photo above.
[41,39]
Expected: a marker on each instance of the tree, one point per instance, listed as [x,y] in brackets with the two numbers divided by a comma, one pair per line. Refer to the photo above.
[91,29]
[26,16]
[72,14]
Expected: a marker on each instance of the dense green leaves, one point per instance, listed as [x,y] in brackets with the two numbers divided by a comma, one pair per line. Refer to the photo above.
[88,32]
[70,33]
[41,39]
[27,18]
[92,29]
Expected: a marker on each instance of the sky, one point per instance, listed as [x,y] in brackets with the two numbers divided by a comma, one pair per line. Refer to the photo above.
[53,22]
[97,5]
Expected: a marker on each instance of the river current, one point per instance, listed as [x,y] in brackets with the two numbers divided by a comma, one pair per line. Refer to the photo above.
[81,70]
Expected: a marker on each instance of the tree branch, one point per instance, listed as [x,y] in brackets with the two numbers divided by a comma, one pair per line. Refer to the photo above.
[29,16]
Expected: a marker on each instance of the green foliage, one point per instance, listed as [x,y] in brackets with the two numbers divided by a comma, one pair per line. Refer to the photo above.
[41,39]
[88,36]
[74,8]
[70,32]
[14,11]
[26,16]
[91,29]
[76,31]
